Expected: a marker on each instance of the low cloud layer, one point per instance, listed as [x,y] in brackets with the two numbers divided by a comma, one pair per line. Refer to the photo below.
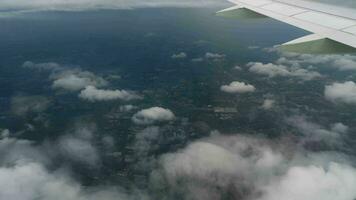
[274,70]
[212,168]
[335,182]
[92,94]
[339,62]
[251,168]
[237,87]
[25,175]
[341,92]
[153,115]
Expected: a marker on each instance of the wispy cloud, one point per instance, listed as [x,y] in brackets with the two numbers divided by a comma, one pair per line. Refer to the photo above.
[22,104]
[91,93]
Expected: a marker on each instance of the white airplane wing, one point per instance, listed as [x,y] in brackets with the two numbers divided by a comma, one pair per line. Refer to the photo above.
[333,28]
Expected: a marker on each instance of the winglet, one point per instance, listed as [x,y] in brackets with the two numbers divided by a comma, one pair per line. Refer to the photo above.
[315,44]
[304,39]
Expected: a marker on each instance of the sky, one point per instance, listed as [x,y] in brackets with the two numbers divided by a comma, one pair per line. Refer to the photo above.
[90,4]
[121,4]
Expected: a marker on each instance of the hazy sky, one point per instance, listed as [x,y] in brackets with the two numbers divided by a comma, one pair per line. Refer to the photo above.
[119,4]
[87,4]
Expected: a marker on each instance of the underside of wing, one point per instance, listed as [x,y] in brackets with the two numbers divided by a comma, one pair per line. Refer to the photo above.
[333,28]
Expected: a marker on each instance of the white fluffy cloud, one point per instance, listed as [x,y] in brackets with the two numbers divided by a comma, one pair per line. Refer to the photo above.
[269,69]
[32,181]
[237,87]
[314,182]
[201,160]
[67,78]
[345,64]
[273,70]
[71,82]
[218,166]
[29,181]
[152,115]
[74,80]
[339,62]
[341,92]
[91,93]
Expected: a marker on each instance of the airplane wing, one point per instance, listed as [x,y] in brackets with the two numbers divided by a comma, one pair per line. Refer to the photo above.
[333,28]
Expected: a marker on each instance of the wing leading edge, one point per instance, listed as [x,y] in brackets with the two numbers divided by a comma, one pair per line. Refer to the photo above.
[333,28]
